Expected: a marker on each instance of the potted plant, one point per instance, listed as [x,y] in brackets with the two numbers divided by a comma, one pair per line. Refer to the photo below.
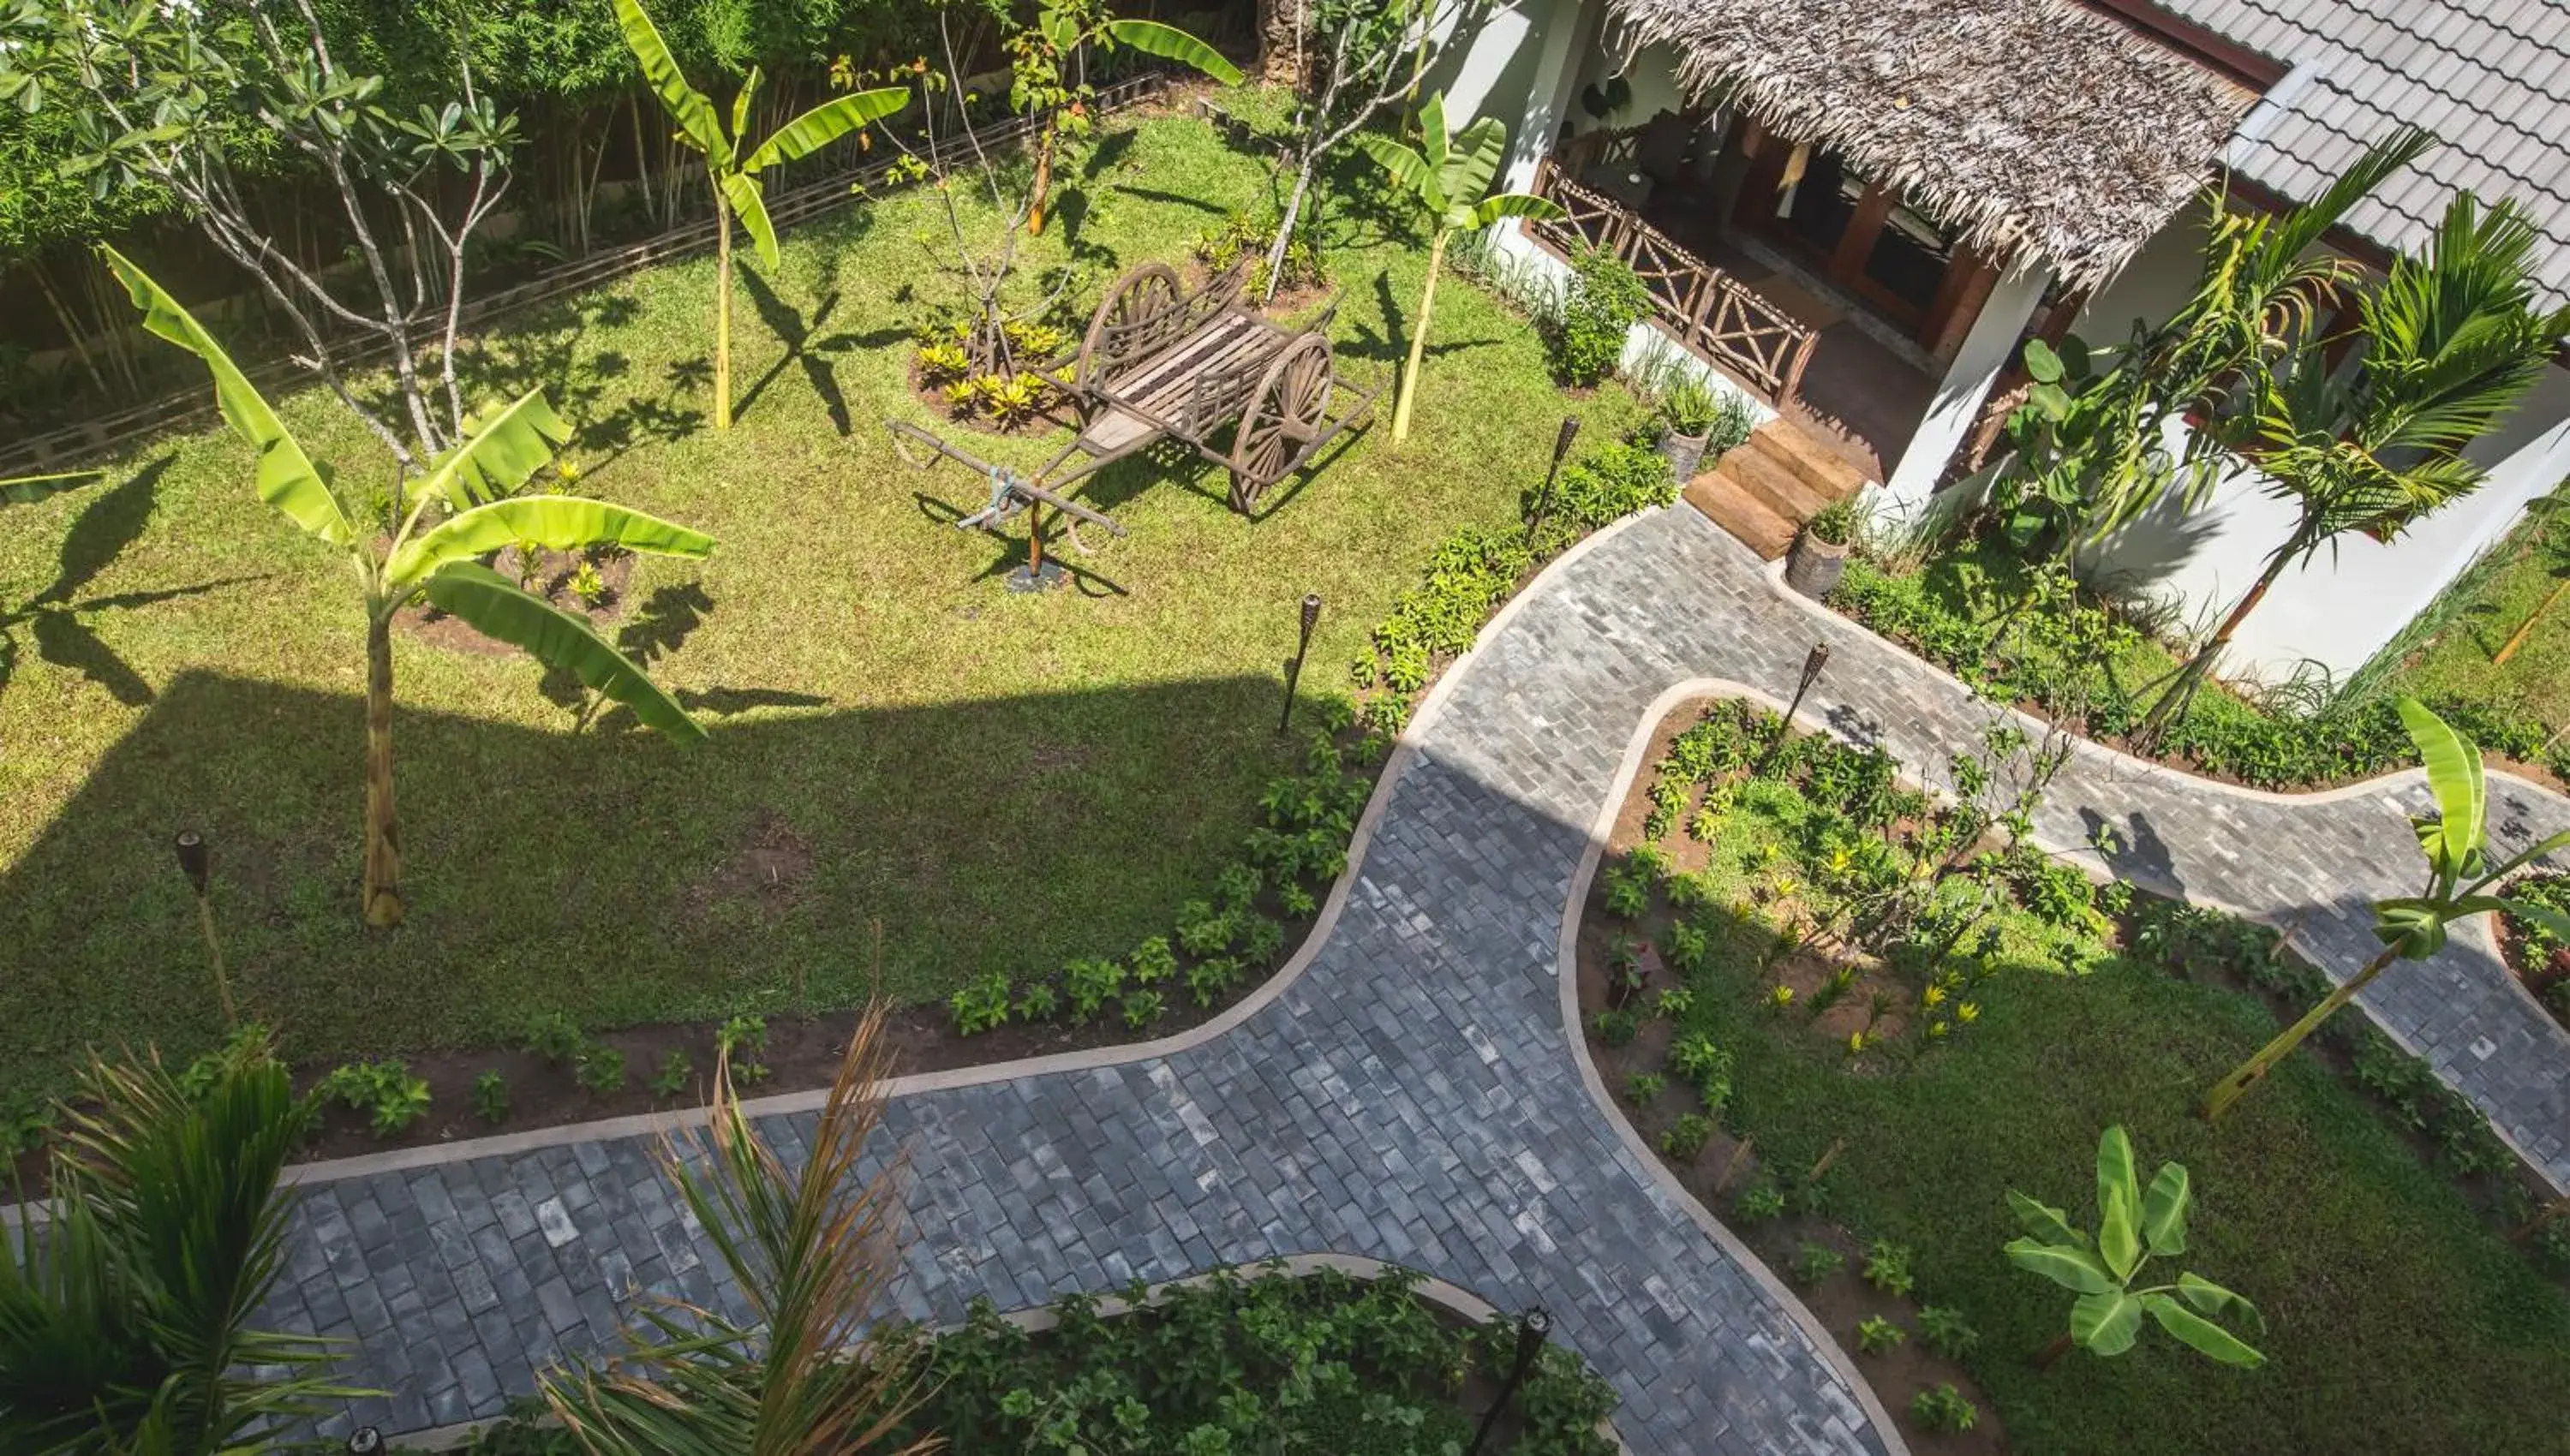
[1819,556]
[1688,412]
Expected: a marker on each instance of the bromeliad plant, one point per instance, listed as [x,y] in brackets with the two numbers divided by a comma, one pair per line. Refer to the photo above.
[2460,883]
[439,560]
[1445,179]
[2134,1225]
[733,169]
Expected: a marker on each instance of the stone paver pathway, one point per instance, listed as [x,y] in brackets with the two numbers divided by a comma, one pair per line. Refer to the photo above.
[1413,1095]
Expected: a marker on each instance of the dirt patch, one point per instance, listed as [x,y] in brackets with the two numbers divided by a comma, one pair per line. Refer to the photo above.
[769,871]
[599,598]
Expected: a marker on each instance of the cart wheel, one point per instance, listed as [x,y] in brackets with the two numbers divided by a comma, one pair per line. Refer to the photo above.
[1277,429]
[1131,321]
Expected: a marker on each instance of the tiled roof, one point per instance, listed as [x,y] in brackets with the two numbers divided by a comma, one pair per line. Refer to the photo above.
[2490,77]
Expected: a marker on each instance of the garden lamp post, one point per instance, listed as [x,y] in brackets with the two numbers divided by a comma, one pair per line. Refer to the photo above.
[1560,448]
[197,862]
[1533,1326]
[365,1442]
[1812,663]
[1294,665]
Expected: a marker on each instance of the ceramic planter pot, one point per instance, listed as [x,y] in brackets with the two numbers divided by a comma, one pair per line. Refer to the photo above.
[1813,567]
[1683,453]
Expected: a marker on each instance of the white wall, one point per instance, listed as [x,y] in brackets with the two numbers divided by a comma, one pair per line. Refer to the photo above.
[2159,278]
[1486,63]
[2340,607]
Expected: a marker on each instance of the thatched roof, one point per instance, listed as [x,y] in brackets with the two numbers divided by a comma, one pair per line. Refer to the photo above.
[2028,127]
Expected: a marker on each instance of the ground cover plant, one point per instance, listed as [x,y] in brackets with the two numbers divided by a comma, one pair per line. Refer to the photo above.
[2512,600]
[999,783]
[1875,1093]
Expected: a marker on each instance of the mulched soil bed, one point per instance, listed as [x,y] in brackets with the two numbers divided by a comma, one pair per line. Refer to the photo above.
[555,573]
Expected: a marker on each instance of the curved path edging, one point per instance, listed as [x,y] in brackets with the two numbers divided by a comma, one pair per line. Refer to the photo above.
[1636,754]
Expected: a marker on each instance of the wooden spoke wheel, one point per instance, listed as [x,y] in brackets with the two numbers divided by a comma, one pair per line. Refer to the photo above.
[1281,421]
[1132,321]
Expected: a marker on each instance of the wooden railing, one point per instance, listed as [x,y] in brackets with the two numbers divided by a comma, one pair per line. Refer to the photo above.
[1703,307]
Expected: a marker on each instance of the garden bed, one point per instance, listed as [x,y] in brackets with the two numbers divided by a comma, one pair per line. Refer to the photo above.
[2419,1304]
[1239,1361]
[1976,611]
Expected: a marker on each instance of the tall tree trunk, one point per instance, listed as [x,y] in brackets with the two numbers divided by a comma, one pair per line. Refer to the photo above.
[722,312]
[383,901]
[2182,684]
[1280,41]
[2525,628]
[2253,1071]
[1043,184]
[1285,225]
[1419,338]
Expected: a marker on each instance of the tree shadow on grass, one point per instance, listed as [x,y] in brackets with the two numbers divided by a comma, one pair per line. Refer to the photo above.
[56,617]
[551,871]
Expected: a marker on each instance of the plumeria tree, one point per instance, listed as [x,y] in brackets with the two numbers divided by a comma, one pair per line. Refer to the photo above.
[2134,1225]
[2462,883]
[439,558]
[734,165]
[1446,179]
[199,100]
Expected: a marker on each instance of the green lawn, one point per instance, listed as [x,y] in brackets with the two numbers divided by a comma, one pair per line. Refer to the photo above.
[2397,1319]
[2459,661]
[999,782]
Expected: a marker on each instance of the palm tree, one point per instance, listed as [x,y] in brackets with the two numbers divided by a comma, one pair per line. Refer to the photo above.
[2450,342]
[440,561]
[2412,928]
[1444,178]
[813,1252]
[733,172]
[125,1309]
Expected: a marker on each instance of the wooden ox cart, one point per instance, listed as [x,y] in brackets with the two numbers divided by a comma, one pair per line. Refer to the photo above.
[1158,363]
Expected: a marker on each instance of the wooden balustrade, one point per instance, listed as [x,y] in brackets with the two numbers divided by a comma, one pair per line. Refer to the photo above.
[1702,306]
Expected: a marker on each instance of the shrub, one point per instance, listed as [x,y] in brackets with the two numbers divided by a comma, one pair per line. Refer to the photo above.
[1943,1331]
[1642,1087]
[1687,1136]
[1833,523]
[1814,1263]
[1617,1029]
[1605,300]
[1942,1411]
[1603,487]
[1761,1201]
[1886,1268]
[675,1071]
[1037,1001]
[1141,1008]
[1705,1066]
[1152,961]
[491,1096]
[981,1004]
[743,1040]
[1091,983]
[385,1091]
[554,1037]
[1876,1334]
[602,1070]
[1208,980]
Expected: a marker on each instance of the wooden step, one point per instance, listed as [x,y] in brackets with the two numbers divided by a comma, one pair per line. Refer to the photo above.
[1820,466]
[1734,509]
[1775,483]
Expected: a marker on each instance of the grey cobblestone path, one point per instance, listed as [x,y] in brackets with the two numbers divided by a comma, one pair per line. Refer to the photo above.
[1412,1096]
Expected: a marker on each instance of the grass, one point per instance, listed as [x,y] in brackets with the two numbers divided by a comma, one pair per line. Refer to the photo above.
[2396,1320]
[2459,660]
[996,782]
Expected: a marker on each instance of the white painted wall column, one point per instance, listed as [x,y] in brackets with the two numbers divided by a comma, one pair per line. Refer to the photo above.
[1566,34]
[1957,402]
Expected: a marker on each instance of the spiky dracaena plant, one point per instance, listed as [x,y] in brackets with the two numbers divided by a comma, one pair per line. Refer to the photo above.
[813,1249]
[124,1310]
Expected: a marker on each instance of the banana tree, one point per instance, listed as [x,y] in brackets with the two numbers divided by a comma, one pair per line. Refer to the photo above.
[1042,78]
[2412,928]
[440,561]
[2134,1225]
[734,168]
[1444,178]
